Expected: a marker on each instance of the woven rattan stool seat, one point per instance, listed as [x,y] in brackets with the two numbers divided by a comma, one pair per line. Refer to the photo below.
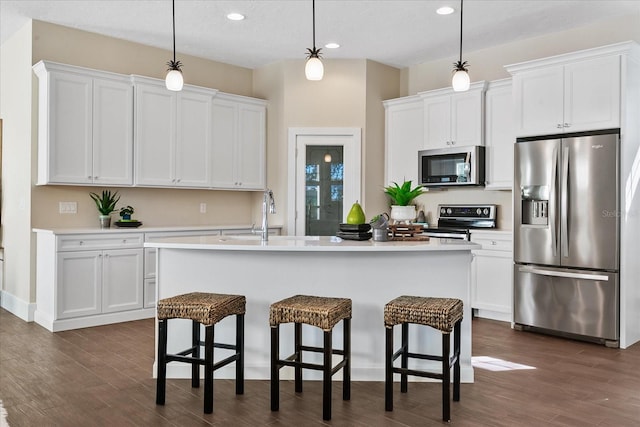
[323,312]
[205,308]
[439,313]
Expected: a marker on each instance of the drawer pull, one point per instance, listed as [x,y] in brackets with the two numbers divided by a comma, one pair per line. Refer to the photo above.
[493,242]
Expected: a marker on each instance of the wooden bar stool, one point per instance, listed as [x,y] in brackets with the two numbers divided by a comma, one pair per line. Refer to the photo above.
[202,309]
[444,314]
[323,313]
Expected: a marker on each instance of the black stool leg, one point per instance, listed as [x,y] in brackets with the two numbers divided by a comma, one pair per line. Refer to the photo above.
[456,365]
[240,354]
[298,351]
[275,369]
[326,376]
[161,380]
[388,369]
[346,369]
[208,369]
[446,377]
[404,358]
[195,343]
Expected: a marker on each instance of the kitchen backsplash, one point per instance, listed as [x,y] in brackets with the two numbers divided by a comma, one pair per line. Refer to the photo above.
[430,200]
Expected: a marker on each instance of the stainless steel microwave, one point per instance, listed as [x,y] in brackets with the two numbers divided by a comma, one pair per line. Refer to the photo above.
[452,166]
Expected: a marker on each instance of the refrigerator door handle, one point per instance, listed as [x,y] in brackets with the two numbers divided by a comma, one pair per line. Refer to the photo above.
[552,203]
[570,275]
[564,204]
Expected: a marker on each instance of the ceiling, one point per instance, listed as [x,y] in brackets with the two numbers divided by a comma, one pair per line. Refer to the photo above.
[395,32]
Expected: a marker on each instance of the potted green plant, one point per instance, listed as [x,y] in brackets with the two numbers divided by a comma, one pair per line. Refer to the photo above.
[106,204]
[401,198]
[126,213]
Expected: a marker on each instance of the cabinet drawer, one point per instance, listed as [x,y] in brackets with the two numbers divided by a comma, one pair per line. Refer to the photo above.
[91,241]
[498,243]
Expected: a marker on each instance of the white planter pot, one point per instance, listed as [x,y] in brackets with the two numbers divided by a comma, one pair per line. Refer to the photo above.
[403,214]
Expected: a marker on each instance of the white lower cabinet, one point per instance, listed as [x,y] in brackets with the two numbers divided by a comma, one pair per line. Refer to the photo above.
[121,274]
[94,282]
[86,279]
[492,275]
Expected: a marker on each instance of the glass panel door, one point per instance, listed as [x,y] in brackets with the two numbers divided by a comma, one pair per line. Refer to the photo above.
[324,182]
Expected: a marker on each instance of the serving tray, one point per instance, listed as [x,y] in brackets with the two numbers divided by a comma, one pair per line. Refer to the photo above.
[124,224]
[355,227]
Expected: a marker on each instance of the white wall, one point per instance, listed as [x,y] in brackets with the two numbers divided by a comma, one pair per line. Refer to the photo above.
[15,110]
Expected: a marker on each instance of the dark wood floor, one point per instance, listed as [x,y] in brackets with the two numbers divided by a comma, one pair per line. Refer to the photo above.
[101,377]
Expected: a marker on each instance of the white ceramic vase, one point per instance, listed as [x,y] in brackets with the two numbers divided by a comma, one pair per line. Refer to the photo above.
[403,214]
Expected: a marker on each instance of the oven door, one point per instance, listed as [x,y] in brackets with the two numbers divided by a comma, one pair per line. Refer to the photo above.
[447,233]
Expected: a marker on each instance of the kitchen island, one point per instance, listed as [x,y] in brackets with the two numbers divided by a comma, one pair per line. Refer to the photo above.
[370,273]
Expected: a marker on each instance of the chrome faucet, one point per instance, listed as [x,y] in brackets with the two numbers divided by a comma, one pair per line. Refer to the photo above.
[267,200]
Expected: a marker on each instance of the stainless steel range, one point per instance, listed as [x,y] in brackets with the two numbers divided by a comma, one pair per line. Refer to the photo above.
[455,221]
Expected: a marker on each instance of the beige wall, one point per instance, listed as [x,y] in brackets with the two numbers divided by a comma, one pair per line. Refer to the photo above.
[382,83]
[338,100]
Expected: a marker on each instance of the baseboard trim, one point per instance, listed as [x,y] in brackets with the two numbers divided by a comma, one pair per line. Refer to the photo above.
[18,307]
[97,320]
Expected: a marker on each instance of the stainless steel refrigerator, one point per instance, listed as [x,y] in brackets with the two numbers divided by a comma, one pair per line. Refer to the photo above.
[567,235]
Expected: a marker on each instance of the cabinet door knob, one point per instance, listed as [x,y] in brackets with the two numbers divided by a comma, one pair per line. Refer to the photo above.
[567,125]
[81,243]
[559,125]
[448,142]
[493,242]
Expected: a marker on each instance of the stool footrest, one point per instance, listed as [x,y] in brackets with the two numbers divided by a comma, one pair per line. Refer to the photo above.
[416,373]
[293,361]
[321,350]
[225,362]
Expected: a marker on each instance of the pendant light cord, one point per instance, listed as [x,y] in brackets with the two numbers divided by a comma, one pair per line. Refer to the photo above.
[461,6]
[173,3]
[313,8]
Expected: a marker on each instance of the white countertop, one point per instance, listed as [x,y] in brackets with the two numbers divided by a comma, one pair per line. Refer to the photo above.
[308,243]
[143,229]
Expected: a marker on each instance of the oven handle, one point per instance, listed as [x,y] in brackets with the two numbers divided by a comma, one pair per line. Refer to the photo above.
[446,235]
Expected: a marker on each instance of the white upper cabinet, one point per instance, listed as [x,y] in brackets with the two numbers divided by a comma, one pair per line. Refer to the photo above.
[155,134]
[85,129]
[566,94]
[238,143]
[499,135]
[404,137]
[172,135]
[193,144]
[454,118]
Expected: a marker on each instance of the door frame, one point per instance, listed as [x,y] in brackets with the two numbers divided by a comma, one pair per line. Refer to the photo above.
[352,155]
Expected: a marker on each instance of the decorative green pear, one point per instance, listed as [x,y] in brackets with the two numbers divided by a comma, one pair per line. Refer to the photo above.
[356,214]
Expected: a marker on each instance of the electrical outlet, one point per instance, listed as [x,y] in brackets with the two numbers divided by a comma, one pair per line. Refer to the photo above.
[68,207]
[203,208]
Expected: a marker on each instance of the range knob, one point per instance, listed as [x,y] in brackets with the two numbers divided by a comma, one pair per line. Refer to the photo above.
[478,211]
[449,211]
[442,210]
[485,211]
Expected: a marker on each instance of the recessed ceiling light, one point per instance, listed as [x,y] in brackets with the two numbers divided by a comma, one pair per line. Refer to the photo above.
[332,45]
[445,10]
[234,16]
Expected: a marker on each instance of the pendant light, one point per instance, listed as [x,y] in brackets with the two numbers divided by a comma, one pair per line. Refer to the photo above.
[174,80]
[314,70]
[460,80]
